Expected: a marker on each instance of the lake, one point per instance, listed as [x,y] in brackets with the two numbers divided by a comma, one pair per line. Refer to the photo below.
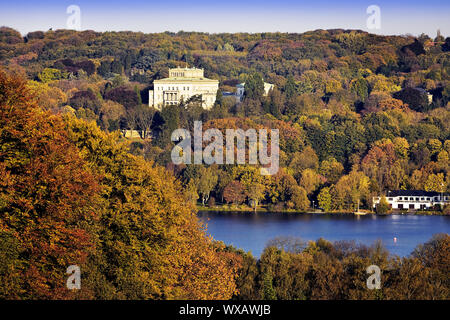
[251,231]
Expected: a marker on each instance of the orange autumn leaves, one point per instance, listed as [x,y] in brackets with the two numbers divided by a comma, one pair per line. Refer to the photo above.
[46,193]
[70,194]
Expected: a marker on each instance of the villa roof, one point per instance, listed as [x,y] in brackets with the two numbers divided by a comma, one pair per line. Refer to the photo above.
[422,90]
[412,193]
[186,80]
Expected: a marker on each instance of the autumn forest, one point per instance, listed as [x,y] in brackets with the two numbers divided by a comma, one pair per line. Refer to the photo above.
[358,114]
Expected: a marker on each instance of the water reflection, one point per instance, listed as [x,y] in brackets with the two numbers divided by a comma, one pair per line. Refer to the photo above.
[251,231]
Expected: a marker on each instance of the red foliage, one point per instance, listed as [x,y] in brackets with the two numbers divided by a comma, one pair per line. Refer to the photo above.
[46,192]
[234,192]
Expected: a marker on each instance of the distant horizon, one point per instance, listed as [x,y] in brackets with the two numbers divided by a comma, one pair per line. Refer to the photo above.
[238,32]
[285,16]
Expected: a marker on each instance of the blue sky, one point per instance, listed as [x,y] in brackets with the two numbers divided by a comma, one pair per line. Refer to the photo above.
[397,17]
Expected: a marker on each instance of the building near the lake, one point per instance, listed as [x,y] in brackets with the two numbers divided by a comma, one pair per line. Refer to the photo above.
[182,84]
[414,199]
[240,89]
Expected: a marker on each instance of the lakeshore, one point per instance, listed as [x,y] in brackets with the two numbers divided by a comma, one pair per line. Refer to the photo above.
[398,233]
[265,209]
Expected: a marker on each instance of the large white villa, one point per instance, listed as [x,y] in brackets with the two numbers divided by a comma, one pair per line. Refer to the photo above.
[182,84]
[413,199]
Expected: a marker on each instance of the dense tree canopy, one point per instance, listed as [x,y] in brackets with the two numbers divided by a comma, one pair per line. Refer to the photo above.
[354,118]
[71,194]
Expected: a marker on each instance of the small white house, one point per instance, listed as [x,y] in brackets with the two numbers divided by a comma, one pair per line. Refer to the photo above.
[240,89]
[413,199]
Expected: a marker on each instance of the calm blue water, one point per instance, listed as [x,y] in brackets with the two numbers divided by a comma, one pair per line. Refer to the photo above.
[251,231]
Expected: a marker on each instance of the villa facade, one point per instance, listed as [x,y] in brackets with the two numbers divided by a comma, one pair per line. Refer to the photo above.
[413,199]
[182,84]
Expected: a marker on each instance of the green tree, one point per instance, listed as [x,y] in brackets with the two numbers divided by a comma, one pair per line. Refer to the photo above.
[254,87]
[383,206]
[116,67]
[290,88]
[170,121]
[325,199]
[206,181]
[104,69]
[360,86]
[256,194]
[268,290]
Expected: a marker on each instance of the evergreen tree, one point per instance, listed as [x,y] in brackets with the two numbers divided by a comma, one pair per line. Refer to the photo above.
[254,87]
[171,117]
[290,88]
[268,290]
[116,67]
[138,93]
[104,69]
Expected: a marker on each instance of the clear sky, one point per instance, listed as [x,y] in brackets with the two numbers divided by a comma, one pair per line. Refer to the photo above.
[397,17]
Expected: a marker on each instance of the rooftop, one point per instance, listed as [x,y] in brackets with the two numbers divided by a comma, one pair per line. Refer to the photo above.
[413,193]
[185,75]
[183,79]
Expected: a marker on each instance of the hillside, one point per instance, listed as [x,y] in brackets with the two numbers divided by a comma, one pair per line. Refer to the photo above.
[358,111]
